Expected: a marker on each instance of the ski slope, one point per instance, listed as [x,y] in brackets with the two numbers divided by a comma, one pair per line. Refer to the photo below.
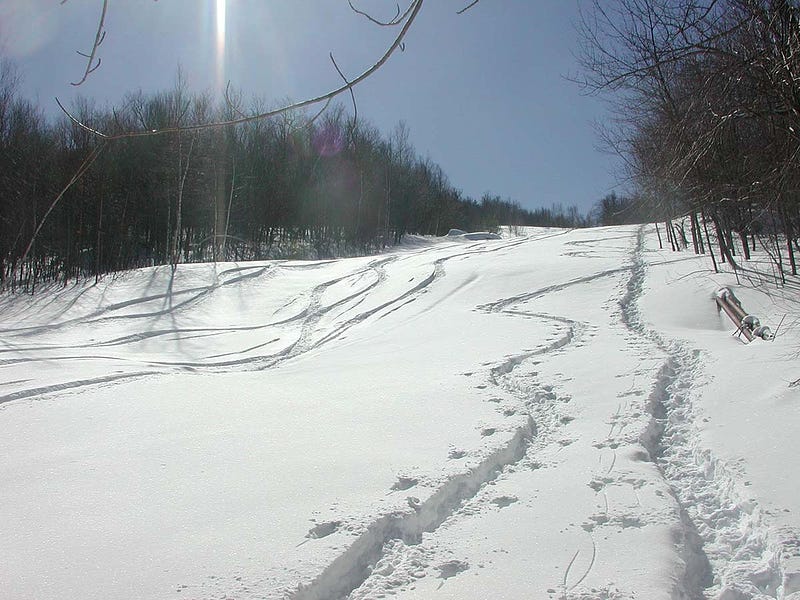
[561,414]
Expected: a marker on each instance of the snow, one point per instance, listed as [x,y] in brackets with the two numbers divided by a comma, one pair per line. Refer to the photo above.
[558,414]
[473,236]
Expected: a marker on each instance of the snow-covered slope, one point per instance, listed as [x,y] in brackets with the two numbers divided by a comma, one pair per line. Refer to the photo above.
[557,415]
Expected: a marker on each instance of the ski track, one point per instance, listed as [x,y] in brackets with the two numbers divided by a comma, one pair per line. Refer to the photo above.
[348,571]
[71,385]
[728,550]
[393,536]
[500,305]
[311,335]
[727,554]
[97,317]
[389,549]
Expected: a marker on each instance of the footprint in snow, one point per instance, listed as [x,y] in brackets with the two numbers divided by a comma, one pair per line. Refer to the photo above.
[451,568]
[504,501]
[404,483]
[456,453]
[414,503]
[598,483]
[607,443]
[488,431]
[322,530]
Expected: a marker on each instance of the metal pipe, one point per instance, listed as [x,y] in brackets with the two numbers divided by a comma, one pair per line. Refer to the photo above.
[728,302]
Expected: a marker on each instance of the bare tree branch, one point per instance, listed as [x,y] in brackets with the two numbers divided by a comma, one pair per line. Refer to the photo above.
[91,66]
[467,7]
[230,102]
[407,19]
[352,93]
[87,162]
[413,10]
[308,123]
[396,20]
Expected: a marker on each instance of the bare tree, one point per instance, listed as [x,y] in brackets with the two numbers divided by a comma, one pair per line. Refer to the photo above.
[708,109]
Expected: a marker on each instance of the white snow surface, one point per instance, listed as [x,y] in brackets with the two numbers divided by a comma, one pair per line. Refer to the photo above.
[559,414]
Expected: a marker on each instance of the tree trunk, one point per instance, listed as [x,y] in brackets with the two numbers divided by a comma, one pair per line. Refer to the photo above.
[97,248]
[745,246]
[789,233]
[708,242]
[670,234]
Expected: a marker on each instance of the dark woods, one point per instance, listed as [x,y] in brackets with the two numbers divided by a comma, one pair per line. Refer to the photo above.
[287,187]
[707,94]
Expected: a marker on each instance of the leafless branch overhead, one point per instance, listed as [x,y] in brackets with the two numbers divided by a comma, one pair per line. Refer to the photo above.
[409,16]
[91,65]
[467,7]
[352,93]
[397,19]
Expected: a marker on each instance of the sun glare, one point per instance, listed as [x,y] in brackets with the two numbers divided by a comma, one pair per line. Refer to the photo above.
[220,19]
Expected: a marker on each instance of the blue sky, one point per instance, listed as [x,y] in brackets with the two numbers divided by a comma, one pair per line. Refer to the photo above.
[485,94]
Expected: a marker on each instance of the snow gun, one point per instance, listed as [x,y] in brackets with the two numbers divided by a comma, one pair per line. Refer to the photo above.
[746,324]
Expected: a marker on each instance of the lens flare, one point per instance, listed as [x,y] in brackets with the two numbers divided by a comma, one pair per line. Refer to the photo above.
[329,140]
[220,19]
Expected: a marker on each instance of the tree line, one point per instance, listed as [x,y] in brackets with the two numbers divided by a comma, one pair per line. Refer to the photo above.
[707,117]
[299,185]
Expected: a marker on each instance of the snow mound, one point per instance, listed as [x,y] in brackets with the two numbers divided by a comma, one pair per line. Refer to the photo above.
[481,235]
[473,236]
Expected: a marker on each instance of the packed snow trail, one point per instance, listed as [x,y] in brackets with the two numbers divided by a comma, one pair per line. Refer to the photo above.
[739,553]
[503,418]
